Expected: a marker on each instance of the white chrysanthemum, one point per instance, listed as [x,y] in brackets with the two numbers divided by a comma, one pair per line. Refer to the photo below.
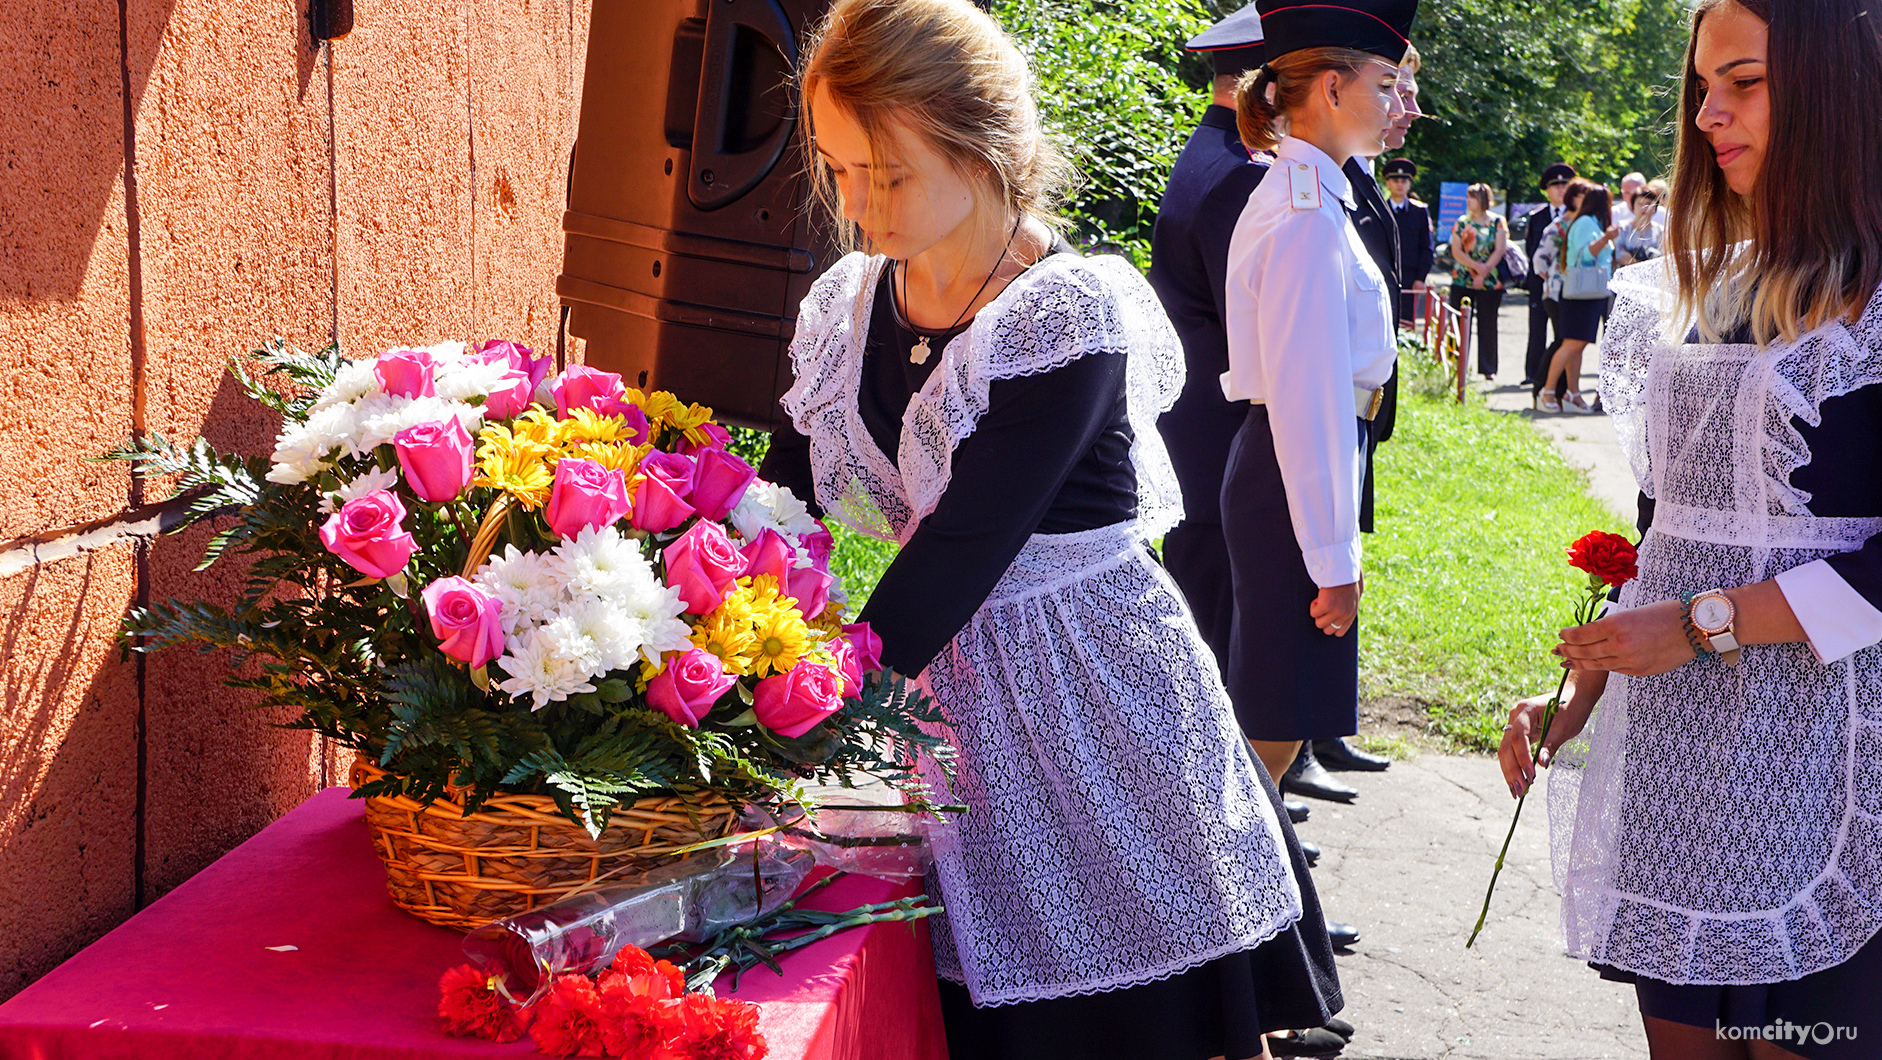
[353,381]
[600,628]
[528,585]
[467,379]
[601,562]
[655,611]
[303,450]
[447,351]
[767,505]
[537,668]
[381,416]
[574,641]
[371,482]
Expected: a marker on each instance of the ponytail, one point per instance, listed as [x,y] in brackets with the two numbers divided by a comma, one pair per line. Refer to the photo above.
[1283,85]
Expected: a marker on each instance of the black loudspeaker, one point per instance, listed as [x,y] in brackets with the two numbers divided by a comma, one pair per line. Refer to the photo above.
[690,239]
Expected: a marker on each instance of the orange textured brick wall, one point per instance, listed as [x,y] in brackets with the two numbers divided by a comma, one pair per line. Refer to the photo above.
[178,180]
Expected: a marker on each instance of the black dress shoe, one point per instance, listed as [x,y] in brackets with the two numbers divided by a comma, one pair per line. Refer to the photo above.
[1315,1041]
[1341,935]
[1310,851]
[1340,1027]
[1297,812]
[1338,754]
[1308,777]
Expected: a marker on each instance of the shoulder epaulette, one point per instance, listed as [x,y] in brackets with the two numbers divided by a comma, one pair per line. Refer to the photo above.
[1304,186]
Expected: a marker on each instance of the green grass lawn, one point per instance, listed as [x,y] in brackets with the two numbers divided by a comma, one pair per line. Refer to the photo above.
[1467,579]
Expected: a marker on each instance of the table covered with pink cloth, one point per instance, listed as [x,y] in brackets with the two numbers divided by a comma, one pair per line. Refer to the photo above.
[206,972]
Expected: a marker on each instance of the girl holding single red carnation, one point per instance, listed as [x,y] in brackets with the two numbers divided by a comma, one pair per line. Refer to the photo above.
[1123,884]
[1719,809]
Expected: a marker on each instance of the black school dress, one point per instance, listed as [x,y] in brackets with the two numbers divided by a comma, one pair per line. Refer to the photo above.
[1074,420]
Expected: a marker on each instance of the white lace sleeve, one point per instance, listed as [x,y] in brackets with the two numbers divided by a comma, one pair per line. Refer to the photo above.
[854,483]
[1061,310]
[1643,306]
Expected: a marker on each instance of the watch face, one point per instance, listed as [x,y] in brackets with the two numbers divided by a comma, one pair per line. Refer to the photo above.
[1711,614]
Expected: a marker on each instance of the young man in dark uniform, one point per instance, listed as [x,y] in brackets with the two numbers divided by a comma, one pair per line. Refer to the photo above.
[1416,251]
[1208,188]
[1554,184]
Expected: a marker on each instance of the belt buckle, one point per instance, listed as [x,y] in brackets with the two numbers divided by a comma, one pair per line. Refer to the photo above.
[1373,402]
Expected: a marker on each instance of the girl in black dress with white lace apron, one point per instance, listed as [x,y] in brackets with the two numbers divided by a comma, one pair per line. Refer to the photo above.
[1122,886]
[1718,803]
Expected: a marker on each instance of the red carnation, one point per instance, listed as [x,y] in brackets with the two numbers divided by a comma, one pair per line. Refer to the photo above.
[471,1007]
[1609,559]
[566,1018]
[632,1023]
[704,1027]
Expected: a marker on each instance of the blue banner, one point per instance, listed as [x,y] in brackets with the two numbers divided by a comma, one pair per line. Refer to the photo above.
[1450,206]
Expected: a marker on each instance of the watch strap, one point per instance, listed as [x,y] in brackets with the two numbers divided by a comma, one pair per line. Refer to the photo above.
[1725,645]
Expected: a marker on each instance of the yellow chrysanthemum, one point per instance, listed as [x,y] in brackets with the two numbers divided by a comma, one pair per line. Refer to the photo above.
[691,421]
[538,426]
[587,425]
[524,475]
[660,406]
[617,456]
[828,623]
[779,635]
[727,633]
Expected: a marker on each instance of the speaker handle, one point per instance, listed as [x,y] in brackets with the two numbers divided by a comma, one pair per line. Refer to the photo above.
[721,177]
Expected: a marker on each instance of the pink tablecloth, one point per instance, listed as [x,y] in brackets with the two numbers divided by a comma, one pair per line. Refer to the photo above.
[193,977]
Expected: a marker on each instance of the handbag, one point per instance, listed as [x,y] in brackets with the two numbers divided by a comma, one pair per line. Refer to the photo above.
[1584,283]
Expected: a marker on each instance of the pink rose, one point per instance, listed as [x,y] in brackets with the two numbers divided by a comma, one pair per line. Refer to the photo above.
[717,437]
[510,397]
[819,544]
[677,470]
[585,494]
[405,373]
[769,554]
[791,704]
[519,358]
[467,621]
[868,646]
[811,587]
[582,387]
[702,565]
[436,457]
[657,503]
[686,690]
[847,667]
[719,481]
[365,533]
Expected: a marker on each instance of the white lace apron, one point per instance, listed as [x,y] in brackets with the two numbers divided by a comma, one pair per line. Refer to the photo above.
[1118,833]
[1719,824]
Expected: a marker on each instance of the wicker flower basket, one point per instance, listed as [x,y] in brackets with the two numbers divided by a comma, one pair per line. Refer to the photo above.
[518,852]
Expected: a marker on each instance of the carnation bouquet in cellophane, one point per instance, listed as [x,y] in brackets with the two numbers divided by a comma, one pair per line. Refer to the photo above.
[486,578]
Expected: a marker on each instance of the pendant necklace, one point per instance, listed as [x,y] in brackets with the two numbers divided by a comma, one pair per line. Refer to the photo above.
[918,353]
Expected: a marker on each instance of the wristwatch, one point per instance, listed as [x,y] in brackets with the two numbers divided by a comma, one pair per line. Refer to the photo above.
[1713,615]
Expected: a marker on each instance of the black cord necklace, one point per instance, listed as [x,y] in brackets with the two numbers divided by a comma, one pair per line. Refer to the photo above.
[918,353]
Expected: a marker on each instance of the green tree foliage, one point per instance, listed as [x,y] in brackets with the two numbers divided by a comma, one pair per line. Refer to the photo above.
[1115,84]
[1512,88]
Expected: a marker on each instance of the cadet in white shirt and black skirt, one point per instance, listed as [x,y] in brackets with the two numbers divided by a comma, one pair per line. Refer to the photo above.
[1311,342]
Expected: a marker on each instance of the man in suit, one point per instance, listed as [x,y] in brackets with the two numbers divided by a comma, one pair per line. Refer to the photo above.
[1416,249]
[1554,184]
[1208,188]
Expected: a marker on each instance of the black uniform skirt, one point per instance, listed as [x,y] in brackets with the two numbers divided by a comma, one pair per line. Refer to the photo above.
[1221,1008]
[1288,680]
[1581,318]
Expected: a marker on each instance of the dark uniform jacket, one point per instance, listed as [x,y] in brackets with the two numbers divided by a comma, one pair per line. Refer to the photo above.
[1377,231]
[1534,225]
[1416,250]
[1208,188]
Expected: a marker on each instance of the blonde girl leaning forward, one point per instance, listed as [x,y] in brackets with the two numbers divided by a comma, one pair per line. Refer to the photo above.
[1310,344]
[1719,813]
[974,391]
